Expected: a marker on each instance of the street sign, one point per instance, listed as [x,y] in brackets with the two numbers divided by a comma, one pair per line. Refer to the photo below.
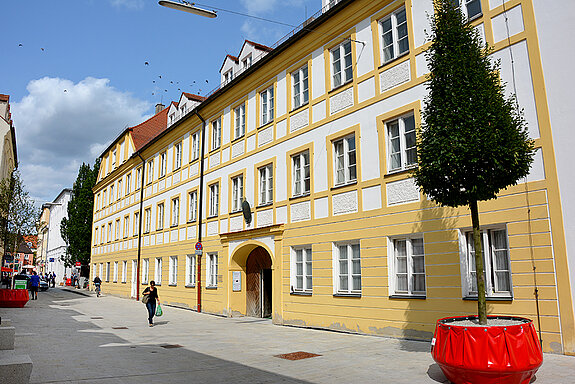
[199,246]
[198,252]
[78,264]
[51,259]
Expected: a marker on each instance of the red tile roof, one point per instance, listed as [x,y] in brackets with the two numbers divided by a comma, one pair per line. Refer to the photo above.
[194,97]
[143,133]
[4,97]
[259,46]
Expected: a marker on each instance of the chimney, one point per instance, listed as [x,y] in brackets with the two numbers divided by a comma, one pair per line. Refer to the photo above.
[159,108]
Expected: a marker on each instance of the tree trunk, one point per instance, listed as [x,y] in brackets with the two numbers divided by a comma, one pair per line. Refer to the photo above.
[479,270]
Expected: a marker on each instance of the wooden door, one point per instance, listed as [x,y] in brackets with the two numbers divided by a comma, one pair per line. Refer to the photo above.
[258,261]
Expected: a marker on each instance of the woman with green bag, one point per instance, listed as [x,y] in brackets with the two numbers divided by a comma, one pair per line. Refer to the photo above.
[152,293]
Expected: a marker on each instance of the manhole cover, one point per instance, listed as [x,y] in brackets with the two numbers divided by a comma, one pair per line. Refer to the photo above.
[119,327]
[168,346]
[297,355]
[96,317]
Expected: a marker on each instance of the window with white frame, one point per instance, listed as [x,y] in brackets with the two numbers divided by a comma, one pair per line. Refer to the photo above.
[114,158]
[124,271]
[212,278]
[228,76]
[109,232]
[173,280]
[347,265]
[138,178]
[108,271]
[102,236]
[117,229]
[136,225]
[240,121]
[192,205]
[175,211]
[237,192]
[145,270]
[96,238]
[115,272]
[471,8]
[128,183]
[150,171]
[301,176]
[112,194]
[216,133]
[496,263]
[401,143]
[214,199]
[300,89]
[104,199]
[247,62]
[195,146]
[126,226]
[394,36]
[407,266]
[147,219]
[190,270]
[101,268]
[341,64]
[301,269]
[267,105]
[345,160]
[158,271]
[266,175]
[162,164]
[120,189]
[177,156]
[160,216]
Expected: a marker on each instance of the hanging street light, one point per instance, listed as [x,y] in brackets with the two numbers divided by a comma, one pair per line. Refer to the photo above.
[188,7]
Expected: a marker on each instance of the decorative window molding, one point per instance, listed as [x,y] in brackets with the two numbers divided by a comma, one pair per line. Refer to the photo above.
[190,270]
[192,205]
[214,199]
[177,156]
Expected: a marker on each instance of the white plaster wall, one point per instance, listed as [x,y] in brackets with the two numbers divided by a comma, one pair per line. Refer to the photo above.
[251,112]
[420,14]
[555,27]
[281,94]
[317,73]
[523,82]
[511,19]
[364,52]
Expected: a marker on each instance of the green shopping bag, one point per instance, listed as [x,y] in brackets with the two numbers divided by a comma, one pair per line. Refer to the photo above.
[159,311]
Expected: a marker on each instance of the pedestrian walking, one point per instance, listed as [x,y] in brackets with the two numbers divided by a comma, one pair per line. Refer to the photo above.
[53,278]
[151,293]
[34,284]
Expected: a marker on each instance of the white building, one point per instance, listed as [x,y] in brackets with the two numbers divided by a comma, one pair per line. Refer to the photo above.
[56,246]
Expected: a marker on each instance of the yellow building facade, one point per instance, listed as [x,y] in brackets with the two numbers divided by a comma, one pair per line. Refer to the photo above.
[304,202]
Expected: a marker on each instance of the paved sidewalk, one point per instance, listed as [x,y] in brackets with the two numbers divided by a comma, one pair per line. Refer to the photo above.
[73,338]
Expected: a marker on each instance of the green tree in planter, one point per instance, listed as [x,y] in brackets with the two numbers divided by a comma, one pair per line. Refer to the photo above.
[76,229]
[473,142]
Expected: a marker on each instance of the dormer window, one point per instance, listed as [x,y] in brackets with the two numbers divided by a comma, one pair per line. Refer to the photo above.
[182,110]
[172,117]
[247,62]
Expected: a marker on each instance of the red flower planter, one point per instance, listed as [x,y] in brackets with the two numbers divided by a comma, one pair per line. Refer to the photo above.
[495,354]
[13,298]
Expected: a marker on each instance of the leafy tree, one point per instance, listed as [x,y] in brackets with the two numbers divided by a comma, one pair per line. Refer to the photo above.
[76,229]
[473,142]
[18,214]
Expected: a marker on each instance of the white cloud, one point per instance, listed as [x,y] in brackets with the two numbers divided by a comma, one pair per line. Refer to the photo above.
[61,124]
[258,7]
[130,4]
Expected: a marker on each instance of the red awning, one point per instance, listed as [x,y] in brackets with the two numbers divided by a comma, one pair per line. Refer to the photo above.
[6,269]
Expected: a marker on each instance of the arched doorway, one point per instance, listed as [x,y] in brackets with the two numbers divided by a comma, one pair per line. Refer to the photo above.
[259,283]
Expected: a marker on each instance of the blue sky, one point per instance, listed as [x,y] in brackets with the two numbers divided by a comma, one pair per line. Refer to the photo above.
[76,74]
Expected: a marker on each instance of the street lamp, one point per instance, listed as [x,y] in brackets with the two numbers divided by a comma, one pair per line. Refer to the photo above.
[187,7]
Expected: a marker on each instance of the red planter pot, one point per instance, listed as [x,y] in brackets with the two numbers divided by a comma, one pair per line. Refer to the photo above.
[13,298]
[487,354]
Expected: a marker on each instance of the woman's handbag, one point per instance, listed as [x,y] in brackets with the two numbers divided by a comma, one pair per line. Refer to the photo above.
[159,311]
[145,299]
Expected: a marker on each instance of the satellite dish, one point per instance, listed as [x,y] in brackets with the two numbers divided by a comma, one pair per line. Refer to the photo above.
[247,211]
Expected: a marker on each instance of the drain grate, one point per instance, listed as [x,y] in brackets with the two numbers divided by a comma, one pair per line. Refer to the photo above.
[168,346]
[119,327]
[96,317]
[297,355]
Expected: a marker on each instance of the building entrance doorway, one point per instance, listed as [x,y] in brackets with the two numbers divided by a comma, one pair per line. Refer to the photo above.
[259,283]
